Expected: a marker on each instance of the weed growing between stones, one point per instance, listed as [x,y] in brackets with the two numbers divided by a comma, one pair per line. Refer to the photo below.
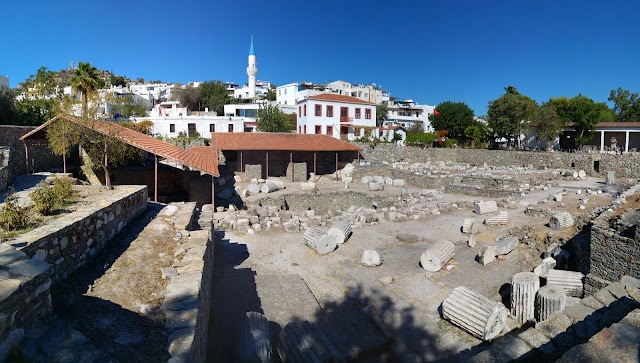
[48,199]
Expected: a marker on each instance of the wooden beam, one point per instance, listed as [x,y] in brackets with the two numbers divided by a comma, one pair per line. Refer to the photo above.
[155,180]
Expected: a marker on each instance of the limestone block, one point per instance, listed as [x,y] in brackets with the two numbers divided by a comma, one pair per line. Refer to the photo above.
[437,256]
[474,313]
[269,187]
[375,186]
[499,219]
[370,258]
[254,343]
[278,183]
[467,225]
[366,179]
[472,241]
[487,255]
[485,207]
[506,245]
[388,180]
[582,174]
[253,188]
[341,230]
[308,187]
[610,178]
[398,183]
[549,300]
[524,286]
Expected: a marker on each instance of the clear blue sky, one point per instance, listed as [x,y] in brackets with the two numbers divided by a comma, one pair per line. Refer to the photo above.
[431,51]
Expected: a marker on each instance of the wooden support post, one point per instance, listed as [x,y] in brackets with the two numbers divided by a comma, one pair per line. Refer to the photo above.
[26,155]
[155,180]
[213,204]
[358,158]
[241,163]
[291,161]
[267,173]
[336,165]
[314,167]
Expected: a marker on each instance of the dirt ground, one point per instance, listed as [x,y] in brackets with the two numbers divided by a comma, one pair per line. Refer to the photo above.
[333,278]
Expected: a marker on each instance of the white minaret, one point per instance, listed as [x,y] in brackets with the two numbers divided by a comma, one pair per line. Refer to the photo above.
[252,71]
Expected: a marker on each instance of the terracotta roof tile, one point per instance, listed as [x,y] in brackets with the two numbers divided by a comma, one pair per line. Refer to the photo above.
[278,141]
[338,98]
[199,161]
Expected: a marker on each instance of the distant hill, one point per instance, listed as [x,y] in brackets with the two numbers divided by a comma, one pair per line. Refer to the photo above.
[63,77]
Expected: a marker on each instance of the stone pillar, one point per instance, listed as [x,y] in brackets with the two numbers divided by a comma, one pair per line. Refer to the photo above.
[602,141]
[524,286]
[485,207]
[561,220]
[437,255]
[341,230]
[255,344]
[474,313]
[550,299]
[467,225]
[571,281]
[626,141]
[501,218]
[610,178]
[319,241]
[301,341]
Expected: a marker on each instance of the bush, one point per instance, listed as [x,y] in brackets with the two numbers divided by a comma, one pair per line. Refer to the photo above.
[50,198]
[12,216]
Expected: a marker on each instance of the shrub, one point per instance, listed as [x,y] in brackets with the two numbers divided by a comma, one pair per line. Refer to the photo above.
[49,198]
[12,216]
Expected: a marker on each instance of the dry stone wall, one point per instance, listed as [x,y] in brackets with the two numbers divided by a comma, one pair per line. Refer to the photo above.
[625,166]
[5,168]
[40,156]
[70,241]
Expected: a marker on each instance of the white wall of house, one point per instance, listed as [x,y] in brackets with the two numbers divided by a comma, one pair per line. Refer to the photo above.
[330,124]
[172,126]
[287,94]
[246,110]
[407,113]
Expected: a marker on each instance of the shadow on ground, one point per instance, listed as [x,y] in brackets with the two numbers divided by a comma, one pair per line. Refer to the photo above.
[112,329]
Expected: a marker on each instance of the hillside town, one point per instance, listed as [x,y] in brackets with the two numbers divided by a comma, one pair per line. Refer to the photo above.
[216,221]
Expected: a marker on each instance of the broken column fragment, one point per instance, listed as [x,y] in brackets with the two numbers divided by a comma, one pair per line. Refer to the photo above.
[467,225]
[549,300]
[341,230]
[474,313]
[499,219]
[571,281]
[524,286]
[370,258]
[485,207]
[301,341]
[506,245]
[437,255]
[319,241]
[254,344]
[561,220]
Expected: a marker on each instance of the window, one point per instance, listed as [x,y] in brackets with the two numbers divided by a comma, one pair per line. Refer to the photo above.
[191,128]
[318,129]
[329,130]
[172,127]
[367,113]
[329,111]
[230,127]
[357,113]
[318,110]
[279,93]
[305,110]
[285,102]
[212,127]
[299,111]
[285,91]
[299,129]
[305,129]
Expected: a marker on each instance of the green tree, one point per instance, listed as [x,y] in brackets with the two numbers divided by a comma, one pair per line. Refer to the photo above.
[546,124]
[128,106]
[41,84]
[87,81]
[191,98]
[382,111]
[272,119]
[8,113]
[510,114]
[477,133]
[214,95]
[454,117]
[585,113]
[271,95]
[626,105]
[36,111]
[118,81]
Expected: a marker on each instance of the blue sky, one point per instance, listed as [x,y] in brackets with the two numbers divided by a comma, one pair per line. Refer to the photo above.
[431,51]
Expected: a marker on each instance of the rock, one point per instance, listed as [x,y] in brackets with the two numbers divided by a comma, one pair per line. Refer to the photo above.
[373,186]
[407,237]
[370,258]
[472,241]
[308,187]
[487,255]
[398,182]
[386,280]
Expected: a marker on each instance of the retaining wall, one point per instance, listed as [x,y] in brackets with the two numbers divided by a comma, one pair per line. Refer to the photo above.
[596,164]
[40,156]
[70,241]
[5,168]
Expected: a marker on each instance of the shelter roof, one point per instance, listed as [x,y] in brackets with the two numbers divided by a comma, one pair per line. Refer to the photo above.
[278,141]
[202,162]
[332,97]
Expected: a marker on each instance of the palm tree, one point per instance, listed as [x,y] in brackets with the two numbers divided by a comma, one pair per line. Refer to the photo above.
[86,81]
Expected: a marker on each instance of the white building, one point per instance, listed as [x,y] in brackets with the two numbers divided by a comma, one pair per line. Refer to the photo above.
[152,92]
[408,113]
[342,117]
[4,81]
[369,93]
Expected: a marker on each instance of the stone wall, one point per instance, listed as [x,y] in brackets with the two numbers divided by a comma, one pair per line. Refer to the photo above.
[323,202]
[70,241]
[626,166]
[299,171]
[5,168]
[40,156]
[24,295]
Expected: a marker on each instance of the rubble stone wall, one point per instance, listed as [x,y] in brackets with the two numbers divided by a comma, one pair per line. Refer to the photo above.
[70,241]
[5,168]
[322,202]
[626,166]
[40,156]
[25,296]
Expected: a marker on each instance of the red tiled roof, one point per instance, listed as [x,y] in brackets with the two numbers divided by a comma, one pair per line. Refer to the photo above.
[195,160]
[338,98]
[626,125]
[278,141]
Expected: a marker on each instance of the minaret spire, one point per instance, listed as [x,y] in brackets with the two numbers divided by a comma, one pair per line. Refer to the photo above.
[252,70]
